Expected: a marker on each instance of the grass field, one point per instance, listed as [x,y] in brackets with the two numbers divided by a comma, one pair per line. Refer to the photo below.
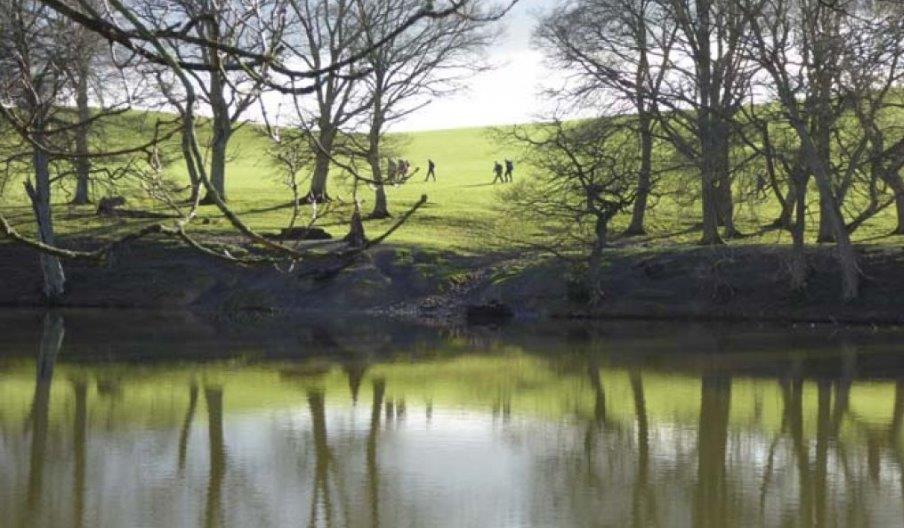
[464,212]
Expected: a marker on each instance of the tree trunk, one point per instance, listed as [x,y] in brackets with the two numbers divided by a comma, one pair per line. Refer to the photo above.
[218,146]
[82,161]
[596,257]
[707,129]
[724,197]
[222,130]
[822,153]
[847,258]
[381,208]
[193,178]
[826,234]
[831,216]
[54,279]
[784,220]
[798,267]
[317,193]
[710,211]
[710,176]
[356,237]
[644,177]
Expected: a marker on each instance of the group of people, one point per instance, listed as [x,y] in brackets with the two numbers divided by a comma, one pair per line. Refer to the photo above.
[505,177]
[399,171]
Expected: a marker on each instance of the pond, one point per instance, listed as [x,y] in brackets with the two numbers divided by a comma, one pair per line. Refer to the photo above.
[122,419]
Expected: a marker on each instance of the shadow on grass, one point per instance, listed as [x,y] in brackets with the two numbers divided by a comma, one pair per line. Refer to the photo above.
[271,208]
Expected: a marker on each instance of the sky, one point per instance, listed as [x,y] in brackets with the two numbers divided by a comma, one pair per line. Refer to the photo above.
[507,94]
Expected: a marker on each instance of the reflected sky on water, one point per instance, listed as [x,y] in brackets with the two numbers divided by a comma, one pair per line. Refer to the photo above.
[166,420]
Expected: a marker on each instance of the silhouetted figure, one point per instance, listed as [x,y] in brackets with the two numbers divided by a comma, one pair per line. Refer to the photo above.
[509,169]
[431,170]
[497,171]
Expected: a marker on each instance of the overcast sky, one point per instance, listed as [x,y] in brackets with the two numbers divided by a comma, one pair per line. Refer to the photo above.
[508,93]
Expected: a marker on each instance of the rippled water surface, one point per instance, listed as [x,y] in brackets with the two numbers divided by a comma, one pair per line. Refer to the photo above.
[131,419]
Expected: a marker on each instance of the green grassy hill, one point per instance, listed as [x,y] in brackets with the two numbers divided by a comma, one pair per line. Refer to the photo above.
[463,213]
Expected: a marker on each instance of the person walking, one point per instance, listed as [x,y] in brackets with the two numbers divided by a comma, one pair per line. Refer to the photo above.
[509,169]
[497,171]
[431,170]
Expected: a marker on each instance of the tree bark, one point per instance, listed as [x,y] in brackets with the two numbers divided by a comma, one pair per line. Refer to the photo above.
[596,256]
[193,178]
[318,193]
[832,216]
[54,279]
[723,162]
[82,161]
[356,237]
[789,202]
[826,234]
[381,208]
[709,180]
[644,177]
[710,176]
[221,133]
[222,122]
[798,268]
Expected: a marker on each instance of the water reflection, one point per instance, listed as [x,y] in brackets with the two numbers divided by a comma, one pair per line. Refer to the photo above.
[492,430]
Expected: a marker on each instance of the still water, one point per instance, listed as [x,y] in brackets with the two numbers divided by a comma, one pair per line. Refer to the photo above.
[128,420]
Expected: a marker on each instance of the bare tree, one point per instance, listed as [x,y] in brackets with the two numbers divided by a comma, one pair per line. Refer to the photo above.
[411,67]
[586,174]
[618,50]
[871,79]
[291,152]
[227,91]
[40,58]
[700,96]
[324,32]
[89,69]
[34,56]
[797,43]
[173,43]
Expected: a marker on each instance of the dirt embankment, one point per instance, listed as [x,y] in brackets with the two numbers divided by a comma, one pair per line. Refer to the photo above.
[736,282]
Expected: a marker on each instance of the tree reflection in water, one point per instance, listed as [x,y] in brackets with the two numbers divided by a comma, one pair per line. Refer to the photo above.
[213,517]
[567,439]
[38,420]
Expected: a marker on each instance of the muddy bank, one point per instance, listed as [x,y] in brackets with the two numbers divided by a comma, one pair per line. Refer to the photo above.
[728,283]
